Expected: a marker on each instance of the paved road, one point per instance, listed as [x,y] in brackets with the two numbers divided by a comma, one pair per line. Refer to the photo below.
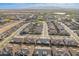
[45,31]
[9,26]
[73,35]
[73,20]
[6,24]
[7,40]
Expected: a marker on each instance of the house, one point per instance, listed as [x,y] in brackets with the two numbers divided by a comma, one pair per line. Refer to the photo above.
[42,51]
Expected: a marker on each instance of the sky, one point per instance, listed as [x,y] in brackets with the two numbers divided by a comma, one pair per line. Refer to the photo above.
[38,5]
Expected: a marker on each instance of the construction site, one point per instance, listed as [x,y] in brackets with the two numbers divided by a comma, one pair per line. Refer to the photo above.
[38,33]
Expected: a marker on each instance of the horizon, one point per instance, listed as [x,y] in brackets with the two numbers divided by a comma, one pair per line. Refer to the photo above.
[38,5]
